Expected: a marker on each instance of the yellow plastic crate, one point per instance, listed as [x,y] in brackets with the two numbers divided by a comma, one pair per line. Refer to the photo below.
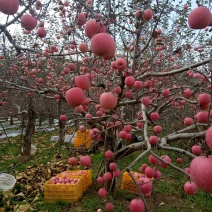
[63,192]
[83,138]
[84,174]
[128,184]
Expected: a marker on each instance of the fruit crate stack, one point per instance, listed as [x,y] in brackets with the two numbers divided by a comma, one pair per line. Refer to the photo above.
[127,182]
[56,190]
[67,186]
[83,138]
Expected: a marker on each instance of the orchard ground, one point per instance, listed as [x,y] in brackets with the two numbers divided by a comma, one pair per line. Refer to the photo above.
[52,158]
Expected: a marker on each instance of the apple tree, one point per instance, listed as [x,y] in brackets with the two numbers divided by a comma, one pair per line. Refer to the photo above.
[123,68]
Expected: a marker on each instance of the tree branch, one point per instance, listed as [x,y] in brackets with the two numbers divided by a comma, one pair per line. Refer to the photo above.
[177,71]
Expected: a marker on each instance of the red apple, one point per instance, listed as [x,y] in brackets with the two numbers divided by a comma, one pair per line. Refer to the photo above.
[138,84]
[9,7]
[140,124]
[188,121]
[74,96]
[93,27]
[41,32]
[73,161]
[108,100]
[103,45]
[80,19]
[117,90]
[146,101]
[102,192]
[199,18]
[147,14]
[204,99]
[138,14]
[179,160]
[107,176]
[113,166]
[100,180]
[123,134]
[196,150]
[82,82]
[120,64]
[154,116]
[129,81]
[128,128]
[40,80]
[143,167]
[82,128]
[95,134]
[128,94]
[28,22]
[190,188]
[137,205]
[149,172]
[145,185]
[152,159]
[79,109]
[208,137]
[201,172]
[85,160]
[166,158]
[157,129]
[108,154]
[109,206]
[157,175]
[117,173]
[63,118]
[83,47]
[166,92]
[187,92]
[57,96]
[153,139]
[202,117]
[88,116]
[188,171]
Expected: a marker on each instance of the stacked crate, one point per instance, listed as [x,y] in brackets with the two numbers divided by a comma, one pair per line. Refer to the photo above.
[68,192]
[63,192]
[83,140]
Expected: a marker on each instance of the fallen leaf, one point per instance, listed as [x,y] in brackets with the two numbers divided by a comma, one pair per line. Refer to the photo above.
[162,203]
[34,200]
[19,175]
[23,208]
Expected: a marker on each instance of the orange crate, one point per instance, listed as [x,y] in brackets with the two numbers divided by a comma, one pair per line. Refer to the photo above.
[128,184]
[85,174]
[83,138]
[63,192]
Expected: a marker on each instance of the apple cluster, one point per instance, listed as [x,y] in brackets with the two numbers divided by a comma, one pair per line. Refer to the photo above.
[64,180]
[108,176]
[84,161]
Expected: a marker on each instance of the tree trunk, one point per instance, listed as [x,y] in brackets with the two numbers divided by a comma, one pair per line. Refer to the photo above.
[50,121]
[23,118]
[30,128]
[61,125]
[40,120]
[11,119]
